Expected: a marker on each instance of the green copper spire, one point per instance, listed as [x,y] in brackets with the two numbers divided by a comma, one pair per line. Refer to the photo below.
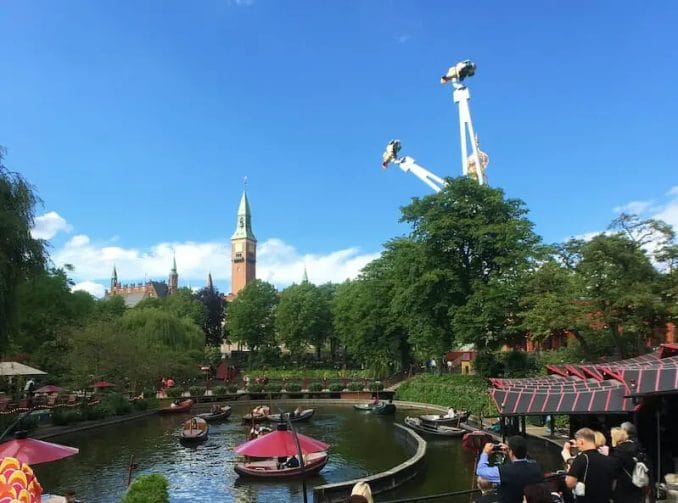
[243,225]
[115,274]
[304,279]
[174,263]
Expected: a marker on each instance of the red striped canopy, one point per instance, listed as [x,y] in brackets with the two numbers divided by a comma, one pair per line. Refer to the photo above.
[589,388]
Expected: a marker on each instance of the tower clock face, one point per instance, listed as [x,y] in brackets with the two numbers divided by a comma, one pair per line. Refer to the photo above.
[242,221]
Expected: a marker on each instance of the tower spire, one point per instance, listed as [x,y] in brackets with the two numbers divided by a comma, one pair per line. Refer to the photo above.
[173,283]
[243,226]
[210,285]
[304,278]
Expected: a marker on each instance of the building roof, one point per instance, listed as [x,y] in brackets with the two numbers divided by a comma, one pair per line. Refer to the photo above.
[589,388]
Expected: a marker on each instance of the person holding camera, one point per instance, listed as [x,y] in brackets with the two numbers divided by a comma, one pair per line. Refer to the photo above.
[511,477]
[591,474]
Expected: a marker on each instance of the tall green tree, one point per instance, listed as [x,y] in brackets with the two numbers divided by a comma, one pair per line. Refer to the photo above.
[214,304]
[250,317]
[620,287]
[303,318]
[20,254]
[470,249]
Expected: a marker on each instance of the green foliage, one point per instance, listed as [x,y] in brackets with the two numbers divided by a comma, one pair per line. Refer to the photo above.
[336,387]
[487,364]
[293,387]
[315,387]
[173,392]
[140,405]
[197,390]
[62,416]
[376,386]
[20,254]
[117,403]
[303,318]
[232,388]
[152,488]
[255,388]
[356,386]
[250,318]
[273,388]
[219,390]
[213,304]
[461,392]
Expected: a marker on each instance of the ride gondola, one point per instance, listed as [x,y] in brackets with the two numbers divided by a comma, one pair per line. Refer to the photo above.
[217,414]
[177,407]
[384,409]
[440,430]
[294,417]
[194,430]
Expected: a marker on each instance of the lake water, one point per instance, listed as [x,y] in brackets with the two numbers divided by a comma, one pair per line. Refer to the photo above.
[361,444]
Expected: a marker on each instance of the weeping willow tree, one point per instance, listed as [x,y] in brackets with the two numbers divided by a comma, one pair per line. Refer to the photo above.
[20,254]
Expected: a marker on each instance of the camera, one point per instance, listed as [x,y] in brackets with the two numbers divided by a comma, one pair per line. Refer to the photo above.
[497,447]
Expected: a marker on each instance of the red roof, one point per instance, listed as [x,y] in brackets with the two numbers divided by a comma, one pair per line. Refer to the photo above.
[589,388]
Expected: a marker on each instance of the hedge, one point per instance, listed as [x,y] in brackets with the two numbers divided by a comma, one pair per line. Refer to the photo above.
[458,391]
[152,488]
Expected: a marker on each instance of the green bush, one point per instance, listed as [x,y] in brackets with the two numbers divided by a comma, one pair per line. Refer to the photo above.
[336,387]
[219,390]
[149,393]
[376,386]
[293,387]
[273,388]
[118,404]
[62,416]
[173,392]
[197,390]
[255,388]
[458,391]
[315,387]
[355,386]
[140,405]
[152,488]
[232,388]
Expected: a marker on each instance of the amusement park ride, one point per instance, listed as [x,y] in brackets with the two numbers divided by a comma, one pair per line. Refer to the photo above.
[469,163]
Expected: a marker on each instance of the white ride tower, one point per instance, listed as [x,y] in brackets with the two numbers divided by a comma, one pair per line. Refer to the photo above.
[469,163]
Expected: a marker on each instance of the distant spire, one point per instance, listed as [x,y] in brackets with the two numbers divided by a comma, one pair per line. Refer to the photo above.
[210,286]
[174,261]
[304,279]
[243,225]
[115,274]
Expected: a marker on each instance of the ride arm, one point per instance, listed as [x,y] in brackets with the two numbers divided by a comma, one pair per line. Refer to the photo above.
[408,164]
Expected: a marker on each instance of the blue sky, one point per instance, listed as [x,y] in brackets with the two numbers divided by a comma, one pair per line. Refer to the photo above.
[137,121]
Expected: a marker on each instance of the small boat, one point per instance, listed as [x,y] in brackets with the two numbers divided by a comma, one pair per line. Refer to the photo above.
[440,430]
[194,430]
[217,414]
[177,407]
[384,409]
[366,407]
[257,415]
[269,468]
[444,419]
[304,415]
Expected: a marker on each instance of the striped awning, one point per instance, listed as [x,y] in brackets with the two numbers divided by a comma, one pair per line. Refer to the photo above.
[589,388]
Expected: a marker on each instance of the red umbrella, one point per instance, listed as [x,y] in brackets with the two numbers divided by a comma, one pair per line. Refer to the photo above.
[50,388]
[33,452]
[476,440]
[280,443]
[103,384]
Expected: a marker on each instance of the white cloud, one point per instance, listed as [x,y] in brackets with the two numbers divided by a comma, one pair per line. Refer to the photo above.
[95,289]
[634,207]
[673,191]
[240,3]
[401,39]
[48,225]
[277,262]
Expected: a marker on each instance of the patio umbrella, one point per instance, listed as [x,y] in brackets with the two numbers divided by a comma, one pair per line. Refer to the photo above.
[18,369]
[103,384]
[280,443]
[49,388]
[33,452]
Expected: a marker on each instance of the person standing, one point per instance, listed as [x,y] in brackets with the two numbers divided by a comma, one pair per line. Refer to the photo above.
[514,476]
[625,452]
[591,474]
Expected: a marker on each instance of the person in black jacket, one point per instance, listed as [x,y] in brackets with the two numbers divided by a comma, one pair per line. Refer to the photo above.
[625,452]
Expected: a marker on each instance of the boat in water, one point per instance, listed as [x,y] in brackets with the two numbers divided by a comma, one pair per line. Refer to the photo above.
[194,430]
[428,428]
[217,414]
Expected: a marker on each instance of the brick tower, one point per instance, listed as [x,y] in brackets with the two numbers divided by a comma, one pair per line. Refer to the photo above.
[173,283]
[243,249]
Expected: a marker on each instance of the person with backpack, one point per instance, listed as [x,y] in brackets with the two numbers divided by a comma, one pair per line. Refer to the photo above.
[625,452]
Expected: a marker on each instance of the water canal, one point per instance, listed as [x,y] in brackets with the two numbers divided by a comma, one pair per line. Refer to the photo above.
[362,444]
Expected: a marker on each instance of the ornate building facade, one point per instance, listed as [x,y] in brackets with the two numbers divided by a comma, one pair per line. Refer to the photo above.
[133,293]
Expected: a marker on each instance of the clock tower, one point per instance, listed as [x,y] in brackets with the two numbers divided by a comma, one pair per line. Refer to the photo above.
[243,249]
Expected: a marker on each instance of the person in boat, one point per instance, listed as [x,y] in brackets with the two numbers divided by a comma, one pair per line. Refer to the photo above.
[216,409]
[255,431]
[361,493]
[375,400]
[514,476]
[451,413]
[297,412]
[293,462]
[194,424]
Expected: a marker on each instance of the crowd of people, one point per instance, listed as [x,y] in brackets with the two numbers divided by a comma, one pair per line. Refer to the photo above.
[595,472]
